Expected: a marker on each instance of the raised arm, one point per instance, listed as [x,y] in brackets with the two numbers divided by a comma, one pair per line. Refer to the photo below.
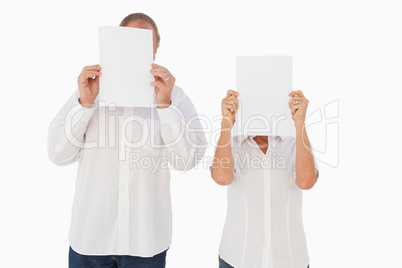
[181,128]
[306,175]
[222,170]
[66,133]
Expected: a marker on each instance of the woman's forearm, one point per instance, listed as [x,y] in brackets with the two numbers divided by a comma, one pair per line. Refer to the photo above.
[223,165]
[306,176]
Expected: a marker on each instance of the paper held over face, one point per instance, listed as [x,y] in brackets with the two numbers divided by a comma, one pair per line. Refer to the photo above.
[263,83]
[125,56]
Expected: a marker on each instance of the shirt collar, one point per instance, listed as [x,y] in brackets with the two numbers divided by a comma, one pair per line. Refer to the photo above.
[242,138]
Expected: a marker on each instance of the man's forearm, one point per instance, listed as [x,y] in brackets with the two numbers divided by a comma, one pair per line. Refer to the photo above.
[183,143]
[67,130]
[305,168]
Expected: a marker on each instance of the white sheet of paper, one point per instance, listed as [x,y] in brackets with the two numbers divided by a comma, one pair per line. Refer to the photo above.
[125,55]
[263,83]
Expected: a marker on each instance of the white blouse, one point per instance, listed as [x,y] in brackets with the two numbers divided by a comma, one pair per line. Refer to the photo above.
[122,203]
[264,226]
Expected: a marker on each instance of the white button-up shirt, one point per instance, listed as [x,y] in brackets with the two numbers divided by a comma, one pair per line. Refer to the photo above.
[122,203]
[264,226]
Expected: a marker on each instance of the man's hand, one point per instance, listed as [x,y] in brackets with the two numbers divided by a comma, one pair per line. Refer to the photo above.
[230,105]
[88,84]
[164,82]
[298,106]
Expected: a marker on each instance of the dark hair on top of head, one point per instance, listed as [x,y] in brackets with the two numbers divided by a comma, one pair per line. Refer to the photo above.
[143,17]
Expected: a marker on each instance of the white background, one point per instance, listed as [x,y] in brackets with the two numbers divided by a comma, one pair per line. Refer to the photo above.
[345,50]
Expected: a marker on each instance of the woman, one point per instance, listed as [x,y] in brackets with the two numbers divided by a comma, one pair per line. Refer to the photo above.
[266,176]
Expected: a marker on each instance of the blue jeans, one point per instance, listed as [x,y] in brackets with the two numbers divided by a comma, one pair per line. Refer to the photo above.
[223,264]
[76,260]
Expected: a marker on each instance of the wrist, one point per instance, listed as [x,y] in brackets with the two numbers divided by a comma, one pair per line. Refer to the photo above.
[84,103]
[299,124]
[164,104]
[226,123]
[225,136]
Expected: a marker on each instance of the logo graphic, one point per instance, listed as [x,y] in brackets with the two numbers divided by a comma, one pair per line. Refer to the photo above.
[323,128]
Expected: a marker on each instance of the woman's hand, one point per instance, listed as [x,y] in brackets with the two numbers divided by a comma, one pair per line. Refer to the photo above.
[298,106]
[230,105]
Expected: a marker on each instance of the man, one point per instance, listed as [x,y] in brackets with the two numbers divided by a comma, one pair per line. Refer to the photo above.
[266,175]
[121,213]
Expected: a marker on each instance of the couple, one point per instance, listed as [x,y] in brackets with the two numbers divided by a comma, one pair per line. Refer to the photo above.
[121,214]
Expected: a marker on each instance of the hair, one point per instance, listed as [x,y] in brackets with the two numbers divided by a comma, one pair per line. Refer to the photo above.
[143,17]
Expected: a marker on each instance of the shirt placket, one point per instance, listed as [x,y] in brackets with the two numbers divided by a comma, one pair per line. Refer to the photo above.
[266,260]
[124,177]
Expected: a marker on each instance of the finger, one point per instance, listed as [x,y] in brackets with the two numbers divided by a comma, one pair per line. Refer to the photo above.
[158,67]
[232,93]
[157,78]
[295,108]
[302,102]
[297,92]
[159,73]
[92,68]
[232,102]
[290,102]
[234,108]
[154,65]
[229,106]
[235,101]
[161,69]
[158,83]
[299,107]
[90,74]
[295,98]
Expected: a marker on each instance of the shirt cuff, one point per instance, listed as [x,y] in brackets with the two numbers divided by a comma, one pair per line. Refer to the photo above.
[168,115]
[78,113]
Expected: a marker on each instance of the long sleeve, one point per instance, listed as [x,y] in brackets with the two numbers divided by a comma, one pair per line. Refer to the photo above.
[182,132]
[66,134]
